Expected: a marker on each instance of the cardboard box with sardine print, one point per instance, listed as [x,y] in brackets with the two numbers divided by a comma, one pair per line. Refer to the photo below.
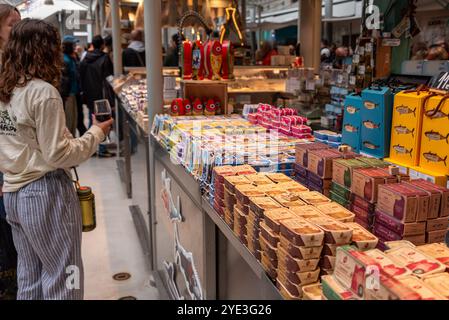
[434,153]
[352,121]
[376,121]
[406,127]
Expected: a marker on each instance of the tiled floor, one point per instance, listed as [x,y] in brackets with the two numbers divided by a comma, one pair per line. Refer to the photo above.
[113,246]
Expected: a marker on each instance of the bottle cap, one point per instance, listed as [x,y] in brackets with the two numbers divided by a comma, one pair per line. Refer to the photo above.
[84,191]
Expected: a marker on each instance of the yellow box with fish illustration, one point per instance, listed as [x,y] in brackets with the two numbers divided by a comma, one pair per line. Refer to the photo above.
[406,127]
[434,153]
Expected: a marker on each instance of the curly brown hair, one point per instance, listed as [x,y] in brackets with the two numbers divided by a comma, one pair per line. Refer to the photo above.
[32,52]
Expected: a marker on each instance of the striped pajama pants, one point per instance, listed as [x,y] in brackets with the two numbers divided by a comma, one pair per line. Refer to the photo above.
[46,222]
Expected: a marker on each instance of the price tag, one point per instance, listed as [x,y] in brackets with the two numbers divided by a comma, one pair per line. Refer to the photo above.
[348,68]
[369,47]
[356,58]
[441,83]
[391,42]
[352,80]
[340,79]
[362,69]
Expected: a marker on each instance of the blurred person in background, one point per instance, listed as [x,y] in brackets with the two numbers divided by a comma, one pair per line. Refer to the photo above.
[172,55]
[134,54]
[94,70]
[9,16]
[326,54]
[341,53]
[264,54]
[70,87]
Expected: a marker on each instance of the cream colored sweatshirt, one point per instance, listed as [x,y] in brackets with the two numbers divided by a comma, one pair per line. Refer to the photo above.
[34,139]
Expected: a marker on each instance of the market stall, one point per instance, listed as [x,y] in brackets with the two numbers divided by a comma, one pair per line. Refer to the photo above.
[245,202]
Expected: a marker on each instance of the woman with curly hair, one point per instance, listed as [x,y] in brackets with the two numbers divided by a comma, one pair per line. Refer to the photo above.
[36,151]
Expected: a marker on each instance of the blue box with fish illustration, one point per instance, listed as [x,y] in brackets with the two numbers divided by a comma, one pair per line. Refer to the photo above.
[406,126]
[376,116]
[434,151]
[352,121]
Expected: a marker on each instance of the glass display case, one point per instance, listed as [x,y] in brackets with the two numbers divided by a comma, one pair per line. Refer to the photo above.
[256,79]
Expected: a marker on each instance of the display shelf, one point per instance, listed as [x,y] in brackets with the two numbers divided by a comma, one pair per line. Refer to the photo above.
[249,258]
[233,239]
[185,180]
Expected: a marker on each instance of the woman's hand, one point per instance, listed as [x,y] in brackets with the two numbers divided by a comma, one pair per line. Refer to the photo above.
[105,126]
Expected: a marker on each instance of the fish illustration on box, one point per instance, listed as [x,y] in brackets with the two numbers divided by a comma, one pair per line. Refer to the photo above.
[434,114]
[404,130]
[370,105]
[350,128]
[371,125]
[351,109]
[433,157]
[436,136]
[402,110]
[402,150]
[370,145]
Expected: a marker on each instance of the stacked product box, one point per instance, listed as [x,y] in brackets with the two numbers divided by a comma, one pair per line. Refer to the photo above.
[434,150]
[230,182]
[285,121]
[314,165]
[352,121]
[302,159]
[438,214]
[254,226]
[355,271]
[364,187]
[342,179]
[241,209]
[406,127]
[332,139]
[219,188]
[418,262]
[404,272]
[334,109]
[411,211]
[298,251]
[319,168]
[437,251]
[376,121]
[336,233]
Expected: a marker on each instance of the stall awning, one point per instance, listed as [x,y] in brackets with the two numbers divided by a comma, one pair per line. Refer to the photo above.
[38,10]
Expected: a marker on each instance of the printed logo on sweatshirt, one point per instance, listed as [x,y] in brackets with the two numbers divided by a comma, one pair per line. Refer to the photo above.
[7,127]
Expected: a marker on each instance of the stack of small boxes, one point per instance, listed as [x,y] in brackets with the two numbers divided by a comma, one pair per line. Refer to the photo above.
[298,252]
[364,187]
[314,165]
[415,211]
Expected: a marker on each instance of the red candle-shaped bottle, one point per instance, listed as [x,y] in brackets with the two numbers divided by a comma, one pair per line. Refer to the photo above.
[186,59]
[228,60]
